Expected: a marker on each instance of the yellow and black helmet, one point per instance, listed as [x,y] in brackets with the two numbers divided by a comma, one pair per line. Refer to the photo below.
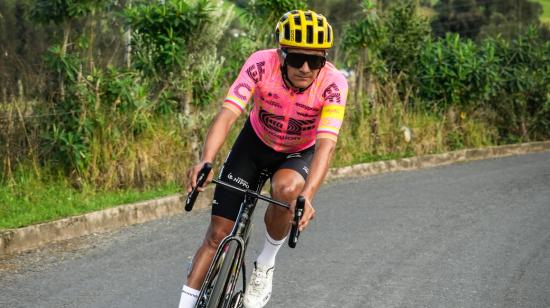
[304,29]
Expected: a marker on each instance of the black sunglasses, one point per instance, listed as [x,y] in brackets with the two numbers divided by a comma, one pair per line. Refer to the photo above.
[297,60]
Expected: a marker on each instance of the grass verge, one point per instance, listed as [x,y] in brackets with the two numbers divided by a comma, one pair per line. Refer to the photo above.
[545,18]
[27,200]
[32,194]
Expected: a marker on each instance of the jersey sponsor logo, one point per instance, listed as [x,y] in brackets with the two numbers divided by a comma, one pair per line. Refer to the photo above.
[270,102]
[256,71]
[332,94]
[307,107]
[333,112]
[274,123]
[271,121]
[306,115]
[275,104]
[237,91]
[281,137]
[296,127]
[275,95]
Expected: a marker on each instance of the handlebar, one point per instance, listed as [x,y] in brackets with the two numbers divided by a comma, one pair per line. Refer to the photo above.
[298,212]
[251,193]
[201,178]
[294,231]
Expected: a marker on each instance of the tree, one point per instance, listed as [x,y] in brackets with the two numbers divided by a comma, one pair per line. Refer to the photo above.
[509,17]
[175,45]
[64,12]
[472,18]
[263,15]
[363,40]
[464,17]
[407,32]
[386,44]
[339,13]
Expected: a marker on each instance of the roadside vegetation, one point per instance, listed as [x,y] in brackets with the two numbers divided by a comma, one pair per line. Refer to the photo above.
[545,18]
[107,102]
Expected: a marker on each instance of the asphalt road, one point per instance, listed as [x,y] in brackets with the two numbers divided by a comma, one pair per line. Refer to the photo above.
[474,234]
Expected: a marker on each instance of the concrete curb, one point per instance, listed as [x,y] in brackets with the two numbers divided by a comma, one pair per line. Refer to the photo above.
[427,161]
[35,236]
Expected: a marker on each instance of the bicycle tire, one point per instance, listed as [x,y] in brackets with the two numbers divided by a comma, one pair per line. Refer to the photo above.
[218,290]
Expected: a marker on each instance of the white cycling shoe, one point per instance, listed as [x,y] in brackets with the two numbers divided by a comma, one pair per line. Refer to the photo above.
[258,291]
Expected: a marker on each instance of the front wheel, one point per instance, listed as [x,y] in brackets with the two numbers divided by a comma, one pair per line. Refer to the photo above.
[221,287]
[237,301]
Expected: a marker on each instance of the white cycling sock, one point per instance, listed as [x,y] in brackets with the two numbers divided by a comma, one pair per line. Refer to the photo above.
[189,297]
[268,254]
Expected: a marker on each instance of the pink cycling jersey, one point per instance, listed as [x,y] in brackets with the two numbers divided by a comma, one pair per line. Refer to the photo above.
[286,120]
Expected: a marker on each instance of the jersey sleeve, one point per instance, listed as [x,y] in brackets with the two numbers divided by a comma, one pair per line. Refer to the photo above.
[332,114]
[242,89]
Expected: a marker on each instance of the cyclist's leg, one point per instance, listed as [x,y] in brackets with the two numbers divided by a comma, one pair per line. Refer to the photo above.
[239,169]
[286,185]
[218,229]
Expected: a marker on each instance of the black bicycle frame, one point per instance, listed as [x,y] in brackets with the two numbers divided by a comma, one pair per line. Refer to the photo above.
[240,231]
[239,234]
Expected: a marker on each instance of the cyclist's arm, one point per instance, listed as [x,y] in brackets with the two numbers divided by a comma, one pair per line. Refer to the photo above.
[330,122]
[217,133]
[219,129]
[324,149]
[234,104]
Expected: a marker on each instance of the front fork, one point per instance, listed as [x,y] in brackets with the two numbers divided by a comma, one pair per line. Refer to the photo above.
[239,234]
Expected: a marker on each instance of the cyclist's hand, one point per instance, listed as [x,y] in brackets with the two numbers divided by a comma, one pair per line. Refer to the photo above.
[192,177]
[309,214]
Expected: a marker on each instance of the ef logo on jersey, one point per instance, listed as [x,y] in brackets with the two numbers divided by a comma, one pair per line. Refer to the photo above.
[332,94]
[256,71]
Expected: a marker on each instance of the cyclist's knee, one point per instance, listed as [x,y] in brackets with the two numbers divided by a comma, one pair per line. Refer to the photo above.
[287,190]
[215,237]
[216,232]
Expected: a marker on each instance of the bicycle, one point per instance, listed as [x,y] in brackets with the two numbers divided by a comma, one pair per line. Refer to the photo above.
[218,288]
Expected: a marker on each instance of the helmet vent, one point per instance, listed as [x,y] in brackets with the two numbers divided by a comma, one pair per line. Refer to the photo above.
[297,20]
[320,22]
[308,16]
[298,34]
[320,36]
[287,32]
[309,36]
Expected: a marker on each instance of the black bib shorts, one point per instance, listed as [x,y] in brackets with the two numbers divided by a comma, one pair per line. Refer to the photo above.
[248,159]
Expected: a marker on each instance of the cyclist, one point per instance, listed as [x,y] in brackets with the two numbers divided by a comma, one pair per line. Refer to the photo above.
[298,107]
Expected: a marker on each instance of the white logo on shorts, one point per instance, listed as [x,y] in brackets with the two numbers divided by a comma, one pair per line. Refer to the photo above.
[294,155]
[238,180]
